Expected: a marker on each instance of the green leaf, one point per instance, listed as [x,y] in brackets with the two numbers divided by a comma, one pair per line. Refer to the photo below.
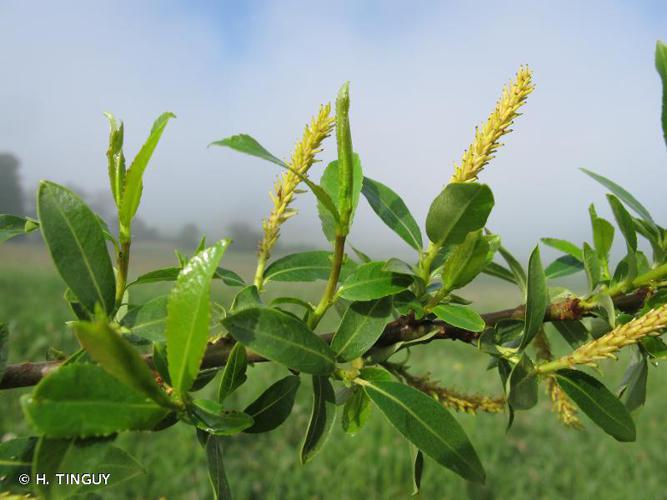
[427,425]
[135,174]
[81,400]
[188,316]
[392,210]
[498,271]
[246,144]
[329,182]
[460,317]
[661,67]
[4,348]
[147,321]
[234,374]
[282,338]
[574,332]
[228,277]
[564,246]
[361,326]
[624,221]
[355,412]
[15,459]
[76,243]
[303,266]
[12,225]
[458,210]
[603,236]
[592,267]
[537,298]
[273,406]
[417,472]
[563,266]
[516,268]
[598,403]
[626,197]
[465,261]
[216,469]
[212,418]
[70,456]
[119,359]
[633,386]
[321,419]
[370,281]
[116,159]
[247,298]
[522,385]
[157,276]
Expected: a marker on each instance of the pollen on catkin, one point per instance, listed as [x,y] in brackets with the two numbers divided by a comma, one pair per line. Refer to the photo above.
[485,143]
[606,346]
[562,405]
[468,403]
[285,187]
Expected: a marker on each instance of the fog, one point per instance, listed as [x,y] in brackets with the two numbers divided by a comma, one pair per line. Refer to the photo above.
[423,75]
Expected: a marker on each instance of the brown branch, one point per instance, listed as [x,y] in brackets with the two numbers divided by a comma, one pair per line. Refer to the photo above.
[403,329]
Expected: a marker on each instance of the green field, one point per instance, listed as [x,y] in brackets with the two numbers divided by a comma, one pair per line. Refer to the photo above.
[538,458]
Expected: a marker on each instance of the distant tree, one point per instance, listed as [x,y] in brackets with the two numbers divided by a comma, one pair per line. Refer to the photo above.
[188,237]
[245,237]
[11,195]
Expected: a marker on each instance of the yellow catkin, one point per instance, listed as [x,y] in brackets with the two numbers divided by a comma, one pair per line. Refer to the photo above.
[561,404]
[606,346]
[468,403]
[485,143]
[302,159]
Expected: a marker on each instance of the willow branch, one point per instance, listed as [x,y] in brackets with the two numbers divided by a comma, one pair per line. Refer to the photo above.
[405,328]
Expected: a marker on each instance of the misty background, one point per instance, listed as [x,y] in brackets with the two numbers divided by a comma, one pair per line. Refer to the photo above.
[423,75]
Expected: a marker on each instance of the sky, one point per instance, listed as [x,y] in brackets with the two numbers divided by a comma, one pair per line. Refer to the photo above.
[423,75]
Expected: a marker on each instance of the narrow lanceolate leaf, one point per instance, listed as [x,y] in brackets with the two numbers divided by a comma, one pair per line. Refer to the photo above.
[330,184]
[120,359]
[624,221]
[392,210]
[171,273]
[417,472]
[355,412]
[216,469]
[592,267]
[76,243]
[304,266]
[661,66]
[457,211]
[516,268]
[282,338]
[116,159]
[564,265]
[188,316]
[537,298]
[147,321]
[498,271]
[598,403]
[273,406]
[82,400]
[12,225]
[243,143]
[321,419]
[234,374]
[623,195]
[564,246]
[427,425]
[633,386]
[522,385]
[361,326]
[247,298]
[466,261]
[71,456]
[460,317]
[370,281]
[212,418]
[135,174]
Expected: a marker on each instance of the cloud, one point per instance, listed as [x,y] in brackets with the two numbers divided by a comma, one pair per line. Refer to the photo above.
[422,77]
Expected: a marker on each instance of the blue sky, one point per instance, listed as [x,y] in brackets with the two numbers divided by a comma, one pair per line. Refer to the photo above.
[423,75]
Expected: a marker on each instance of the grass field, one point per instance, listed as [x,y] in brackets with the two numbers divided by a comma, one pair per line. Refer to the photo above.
[538,458]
